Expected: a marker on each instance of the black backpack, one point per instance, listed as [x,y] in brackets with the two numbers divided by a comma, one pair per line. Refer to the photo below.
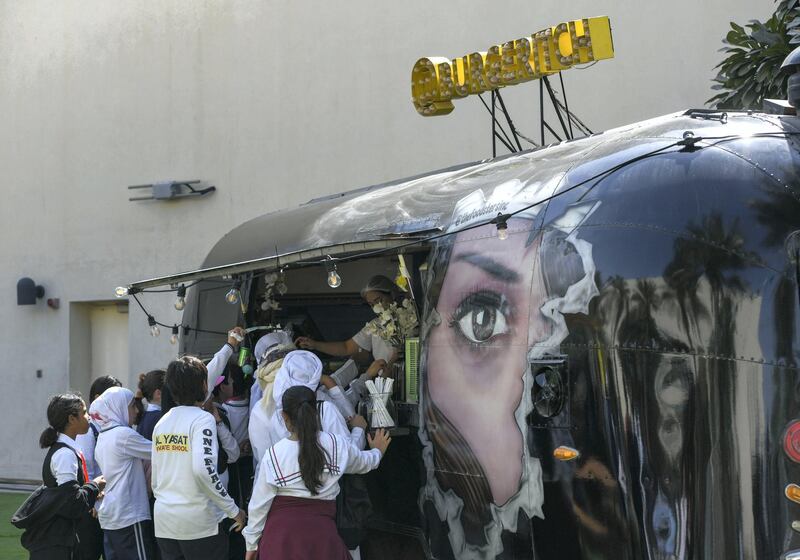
[353,505]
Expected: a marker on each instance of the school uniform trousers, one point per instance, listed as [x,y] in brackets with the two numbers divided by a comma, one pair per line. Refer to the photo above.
[135,542]
[208,548]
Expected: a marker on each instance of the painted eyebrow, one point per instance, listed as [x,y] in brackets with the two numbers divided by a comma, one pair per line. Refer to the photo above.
[490,266]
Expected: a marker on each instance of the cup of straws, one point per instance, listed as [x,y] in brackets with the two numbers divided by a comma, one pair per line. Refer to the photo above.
[380,406]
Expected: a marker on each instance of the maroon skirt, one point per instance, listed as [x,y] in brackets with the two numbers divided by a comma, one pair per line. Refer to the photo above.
[301,529]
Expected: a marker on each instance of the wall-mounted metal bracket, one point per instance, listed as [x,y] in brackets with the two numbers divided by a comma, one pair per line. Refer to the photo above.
[171,190]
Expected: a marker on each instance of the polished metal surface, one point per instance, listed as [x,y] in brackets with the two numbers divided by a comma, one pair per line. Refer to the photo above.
[679,377]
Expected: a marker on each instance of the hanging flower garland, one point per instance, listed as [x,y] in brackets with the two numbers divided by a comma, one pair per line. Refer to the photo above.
[394,322]
[274,286]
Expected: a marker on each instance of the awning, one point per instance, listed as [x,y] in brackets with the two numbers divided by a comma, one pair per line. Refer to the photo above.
[274,262]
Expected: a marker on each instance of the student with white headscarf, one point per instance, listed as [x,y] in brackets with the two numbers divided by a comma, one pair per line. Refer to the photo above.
[269,352]
[269,349]
[276,374]
[124,512]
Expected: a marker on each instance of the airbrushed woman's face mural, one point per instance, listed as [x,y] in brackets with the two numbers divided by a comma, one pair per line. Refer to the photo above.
[494,306]
[477,354]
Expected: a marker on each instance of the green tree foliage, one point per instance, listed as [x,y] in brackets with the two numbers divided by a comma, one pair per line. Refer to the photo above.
[751,71]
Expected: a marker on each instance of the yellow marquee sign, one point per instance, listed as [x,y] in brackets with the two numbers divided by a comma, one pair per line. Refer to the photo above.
[435,81]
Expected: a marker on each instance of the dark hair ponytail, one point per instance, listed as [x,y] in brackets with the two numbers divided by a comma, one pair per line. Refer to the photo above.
[60,408]
[299,404]
[49,437]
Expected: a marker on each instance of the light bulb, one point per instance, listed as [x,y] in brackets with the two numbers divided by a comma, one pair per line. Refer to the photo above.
[232,296]
[502,232]
[121,291]
[154,330]
[502,226]
[334,280]
[174,338]
[180,303]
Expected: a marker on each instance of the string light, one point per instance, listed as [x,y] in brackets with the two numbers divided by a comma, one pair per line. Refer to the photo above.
[334,280]
[122,291]
[233,296]
[154,330]
[180,303]
[502,226]
[174,338]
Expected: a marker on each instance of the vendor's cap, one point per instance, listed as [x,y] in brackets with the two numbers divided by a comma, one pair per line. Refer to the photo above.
[380,283]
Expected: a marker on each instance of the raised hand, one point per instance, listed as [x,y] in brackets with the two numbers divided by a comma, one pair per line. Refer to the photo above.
[380,440]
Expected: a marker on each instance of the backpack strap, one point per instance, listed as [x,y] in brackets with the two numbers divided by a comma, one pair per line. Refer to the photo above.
[47,473]
[320,409]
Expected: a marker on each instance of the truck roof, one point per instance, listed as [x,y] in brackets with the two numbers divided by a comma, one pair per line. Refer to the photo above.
[392,214]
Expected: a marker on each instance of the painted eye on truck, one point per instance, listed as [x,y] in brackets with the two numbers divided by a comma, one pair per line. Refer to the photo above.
[548,392]
[481,317]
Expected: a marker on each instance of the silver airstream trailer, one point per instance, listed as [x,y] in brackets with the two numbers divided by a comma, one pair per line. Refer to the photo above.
[609,343]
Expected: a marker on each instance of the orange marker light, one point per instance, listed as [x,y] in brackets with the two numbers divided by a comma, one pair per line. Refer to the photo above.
[793,493]
[565,453]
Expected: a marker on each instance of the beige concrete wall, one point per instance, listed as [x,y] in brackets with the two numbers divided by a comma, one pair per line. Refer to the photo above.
[274,102]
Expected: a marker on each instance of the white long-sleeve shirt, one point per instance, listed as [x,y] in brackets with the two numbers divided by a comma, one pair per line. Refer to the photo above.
[217,365]
[228,442]
[338,398]
[265,432]
[279,475]
[185,479]
[119,453]
[238,413]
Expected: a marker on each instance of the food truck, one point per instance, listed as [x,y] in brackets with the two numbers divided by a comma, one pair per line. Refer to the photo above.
[607,357]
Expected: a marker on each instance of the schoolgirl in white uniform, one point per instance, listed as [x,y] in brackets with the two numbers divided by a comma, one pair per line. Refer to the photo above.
[124,512]
[292,510]
[64,473]
[298,367]
[191,500]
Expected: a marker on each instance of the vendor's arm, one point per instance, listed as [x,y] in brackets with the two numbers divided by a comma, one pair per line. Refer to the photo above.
[340,348]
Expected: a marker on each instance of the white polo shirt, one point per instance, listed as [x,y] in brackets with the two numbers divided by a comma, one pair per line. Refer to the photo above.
[191,499]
